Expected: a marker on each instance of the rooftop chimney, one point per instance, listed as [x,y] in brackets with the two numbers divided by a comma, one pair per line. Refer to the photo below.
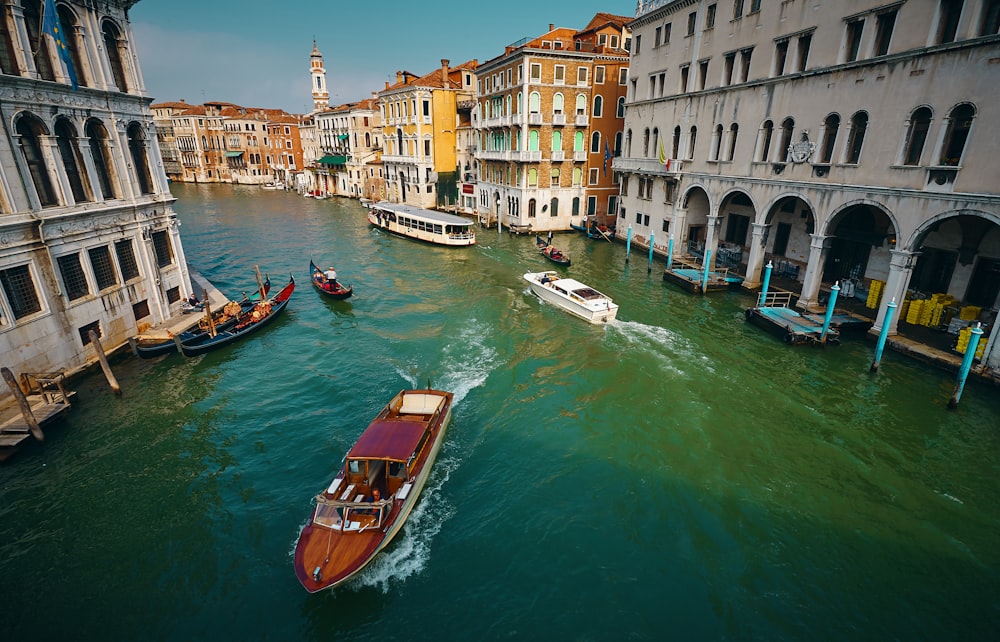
[444,71]
[551,27]
[399,76]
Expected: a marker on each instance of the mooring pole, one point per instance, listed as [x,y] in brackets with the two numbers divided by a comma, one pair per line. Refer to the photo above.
[890,308]
[22,402]
[963,372]
[834,291]
[670,251]
[110,376]
[767,282]
[652,236]
[628,242]
[704,276]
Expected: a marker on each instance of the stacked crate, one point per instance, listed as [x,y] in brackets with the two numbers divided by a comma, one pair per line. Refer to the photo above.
[969,313]
[875,290]
[963,343]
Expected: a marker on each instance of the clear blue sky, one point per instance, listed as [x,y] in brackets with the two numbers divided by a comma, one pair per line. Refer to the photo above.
[256,52]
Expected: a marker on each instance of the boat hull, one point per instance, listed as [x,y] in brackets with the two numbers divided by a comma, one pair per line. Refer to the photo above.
[388,217]
[327,555]
[602,310]
[319,282]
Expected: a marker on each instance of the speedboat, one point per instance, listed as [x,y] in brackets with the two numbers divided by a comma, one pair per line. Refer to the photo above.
[572,296]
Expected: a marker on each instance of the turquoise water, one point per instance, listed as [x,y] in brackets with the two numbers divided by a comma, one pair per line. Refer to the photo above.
[679,474]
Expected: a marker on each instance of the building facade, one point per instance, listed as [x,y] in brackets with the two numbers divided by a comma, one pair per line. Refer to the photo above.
[844,142]
[90,241]
[550,114]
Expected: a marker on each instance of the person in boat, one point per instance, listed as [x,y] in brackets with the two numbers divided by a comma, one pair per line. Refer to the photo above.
[331,279]
[374,499]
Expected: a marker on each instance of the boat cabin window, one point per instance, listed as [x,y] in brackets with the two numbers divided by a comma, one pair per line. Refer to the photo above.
[354,466]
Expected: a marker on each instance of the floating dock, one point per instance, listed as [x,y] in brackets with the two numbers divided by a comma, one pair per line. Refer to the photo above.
[45,400]
[691,278]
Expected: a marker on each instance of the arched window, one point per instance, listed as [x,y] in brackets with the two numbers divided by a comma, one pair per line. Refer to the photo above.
[787,127]
[764,138]
[595,142]
[399,141]
[39,46]
[31,129]
[856,139]
[620,112]
[532,177]
[531,207]
[628,143]
[691,142]
[654,148]
[69,152]
[916,135]
[645,143]
[598,106]
[554,207]
[8,61]
[959,123]
[578,142]
[581,105]
[617,151]
[831,126]
[675,146]
[576,206]
[554,177]
[140,158]
[577,176]
[556,140]
[734,131]
[716,143]
[557,104]
[113,48]
[70,24]
[100,150]
[533,140]
[520,102]
[534,102]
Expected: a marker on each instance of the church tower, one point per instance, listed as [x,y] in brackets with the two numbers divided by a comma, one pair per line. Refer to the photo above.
[321,99]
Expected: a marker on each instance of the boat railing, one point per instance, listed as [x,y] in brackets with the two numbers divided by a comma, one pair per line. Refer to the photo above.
[775,300]
[350,515]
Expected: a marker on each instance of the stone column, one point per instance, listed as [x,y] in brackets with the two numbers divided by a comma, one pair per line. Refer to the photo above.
[900,267]
[755,261]
[809,297]
[712,238]
[55,169]
[88,165]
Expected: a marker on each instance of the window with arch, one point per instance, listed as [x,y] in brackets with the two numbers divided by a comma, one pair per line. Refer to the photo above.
[520,102]
[557,103]
[113,46]
[856,139]
[831,126]
[30,130]
[71,24]
[581,105]
[533,140]
[531,207]
[8,61]
[628,143]
[140,157]
[554,177]
[764,141]
[957,133]
[554,207]
[595,142]
[787,127]
[556,140]
[617,151]
[734,131]
[39,46]
[578,142]
[675,145]
[598,106]
[575,207]
[534,102]
[577,177]
[716,143]
[691,142]
[69,153]
[100,151]
[654,148]
[916,135]
[533,177]
[620,112]
[645,143]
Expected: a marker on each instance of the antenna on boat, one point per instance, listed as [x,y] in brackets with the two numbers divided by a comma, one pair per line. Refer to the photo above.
[428,383]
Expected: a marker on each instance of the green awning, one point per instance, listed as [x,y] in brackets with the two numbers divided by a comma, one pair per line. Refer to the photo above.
[233,154]
[333,160]
[342,137]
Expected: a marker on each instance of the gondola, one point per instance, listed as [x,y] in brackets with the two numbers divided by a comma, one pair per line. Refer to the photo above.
[225,318]
[550,252]
[334,290]
[255,318]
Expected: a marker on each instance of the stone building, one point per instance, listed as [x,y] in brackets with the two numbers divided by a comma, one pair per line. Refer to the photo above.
[549,117]
[841,142]
[88,238]
[350,138]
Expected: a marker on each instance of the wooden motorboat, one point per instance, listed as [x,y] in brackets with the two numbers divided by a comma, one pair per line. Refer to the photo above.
[148,347]
[576,298]
[391,459]
[333,289]
[552,253]
[253,319]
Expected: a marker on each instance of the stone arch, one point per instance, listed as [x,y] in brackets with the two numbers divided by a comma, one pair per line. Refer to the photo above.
[862,233]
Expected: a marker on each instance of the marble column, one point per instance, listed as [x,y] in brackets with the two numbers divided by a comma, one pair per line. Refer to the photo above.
[900,267]
[755,260]
[809,297]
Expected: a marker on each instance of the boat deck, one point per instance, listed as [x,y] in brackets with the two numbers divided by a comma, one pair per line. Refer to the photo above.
[794,327]
[692,279]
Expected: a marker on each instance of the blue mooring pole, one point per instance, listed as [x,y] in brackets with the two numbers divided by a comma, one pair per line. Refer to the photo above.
[670,251]
[767,282]
[704,277]
[652,236]
[628,243]
[834,291]
[890,308]
[963,372]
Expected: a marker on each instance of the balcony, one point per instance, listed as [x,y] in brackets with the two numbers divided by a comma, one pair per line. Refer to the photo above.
[534,118]
[558,155]
[582,120]
[579,156]
[648,166]
[526,157]
[493,154]
[558,119]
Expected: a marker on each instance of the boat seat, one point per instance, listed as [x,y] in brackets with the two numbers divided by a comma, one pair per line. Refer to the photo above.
[360,498]
[347,493]
[334,485]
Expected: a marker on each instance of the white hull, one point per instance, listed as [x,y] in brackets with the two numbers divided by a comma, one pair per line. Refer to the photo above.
[596,308]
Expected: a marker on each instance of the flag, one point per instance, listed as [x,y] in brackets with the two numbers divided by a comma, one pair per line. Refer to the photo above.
[607,157]
[51,26]
[662,157]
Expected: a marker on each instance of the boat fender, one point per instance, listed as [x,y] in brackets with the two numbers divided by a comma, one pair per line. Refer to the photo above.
[748,313]
[317,574]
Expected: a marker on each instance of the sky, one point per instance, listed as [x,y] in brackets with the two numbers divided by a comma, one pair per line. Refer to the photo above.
[255,53]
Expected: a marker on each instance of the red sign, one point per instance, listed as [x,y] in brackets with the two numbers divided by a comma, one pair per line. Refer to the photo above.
[468,189]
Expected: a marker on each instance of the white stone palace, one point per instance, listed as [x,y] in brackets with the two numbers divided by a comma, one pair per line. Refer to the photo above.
[844,142]
[88,239]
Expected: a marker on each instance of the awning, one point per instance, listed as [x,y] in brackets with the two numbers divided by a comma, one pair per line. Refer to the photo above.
[233,154]
[333,160]
[342,137]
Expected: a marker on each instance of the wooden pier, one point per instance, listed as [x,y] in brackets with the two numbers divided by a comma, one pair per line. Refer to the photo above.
[41,399]
[796,328]
[687,275]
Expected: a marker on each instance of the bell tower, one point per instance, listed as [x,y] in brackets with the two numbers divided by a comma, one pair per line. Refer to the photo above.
[321,98]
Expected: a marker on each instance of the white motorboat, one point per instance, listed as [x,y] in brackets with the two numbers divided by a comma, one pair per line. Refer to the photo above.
[569,294]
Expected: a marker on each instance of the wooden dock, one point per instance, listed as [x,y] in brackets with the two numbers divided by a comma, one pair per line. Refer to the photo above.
[41,399]
[796,328]
[690,277]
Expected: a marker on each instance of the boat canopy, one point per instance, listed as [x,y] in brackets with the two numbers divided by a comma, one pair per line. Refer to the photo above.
[394,440]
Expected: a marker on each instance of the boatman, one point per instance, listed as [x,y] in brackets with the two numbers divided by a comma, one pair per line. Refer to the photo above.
[331,275]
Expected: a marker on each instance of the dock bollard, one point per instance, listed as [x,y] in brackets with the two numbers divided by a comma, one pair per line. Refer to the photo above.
[651,237]
[890,308]
[767,282]
[110,376]
[834,291]
[628,243]
[963,372]
[670,252]
[708,263]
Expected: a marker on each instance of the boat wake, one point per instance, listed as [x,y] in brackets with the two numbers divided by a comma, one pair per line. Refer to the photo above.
[671,350]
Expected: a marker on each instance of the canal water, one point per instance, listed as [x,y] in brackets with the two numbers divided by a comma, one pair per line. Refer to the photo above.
[678,474]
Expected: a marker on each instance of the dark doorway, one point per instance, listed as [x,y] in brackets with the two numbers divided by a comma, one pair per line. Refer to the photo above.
[984,286]
[781,235]
[846,259]
[933,270]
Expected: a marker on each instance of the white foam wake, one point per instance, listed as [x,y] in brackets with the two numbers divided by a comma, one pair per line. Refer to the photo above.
[671,350]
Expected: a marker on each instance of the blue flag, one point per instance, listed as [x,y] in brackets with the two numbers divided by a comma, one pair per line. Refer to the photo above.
[607,157]
[51,26]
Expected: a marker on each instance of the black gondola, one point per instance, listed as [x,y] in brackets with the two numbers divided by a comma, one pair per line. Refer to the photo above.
[333,289]
[550,252]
